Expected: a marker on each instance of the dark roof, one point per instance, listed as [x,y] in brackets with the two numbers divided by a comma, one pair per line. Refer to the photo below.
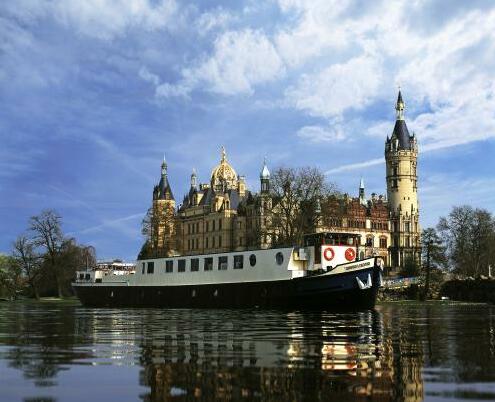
[163,190]
[402,134]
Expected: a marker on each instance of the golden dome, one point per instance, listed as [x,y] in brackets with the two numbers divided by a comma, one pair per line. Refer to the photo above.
[223,173]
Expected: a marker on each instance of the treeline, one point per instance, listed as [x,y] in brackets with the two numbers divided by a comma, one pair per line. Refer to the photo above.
[462,244]
[43,260]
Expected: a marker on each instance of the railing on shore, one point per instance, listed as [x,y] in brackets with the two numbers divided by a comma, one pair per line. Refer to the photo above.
[400,283]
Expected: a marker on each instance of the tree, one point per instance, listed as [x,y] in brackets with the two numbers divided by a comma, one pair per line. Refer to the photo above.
[158,228]
[297,196]
[10,276]
[29,262]
[410,268]
[469,236]
[433,253]
[47,234]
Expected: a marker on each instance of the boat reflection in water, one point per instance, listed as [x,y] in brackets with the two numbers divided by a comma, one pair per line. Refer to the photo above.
[299,356]
[401,352]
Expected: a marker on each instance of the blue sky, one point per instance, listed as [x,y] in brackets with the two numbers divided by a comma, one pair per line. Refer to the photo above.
[94,92]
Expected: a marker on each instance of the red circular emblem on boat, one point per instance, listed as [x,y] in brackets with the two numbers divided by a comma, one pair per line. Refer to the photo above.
[350,254]
[329,254]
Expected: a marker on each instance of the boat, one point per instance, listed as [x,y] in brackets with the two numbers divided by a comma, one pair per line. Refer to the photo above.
[324,273]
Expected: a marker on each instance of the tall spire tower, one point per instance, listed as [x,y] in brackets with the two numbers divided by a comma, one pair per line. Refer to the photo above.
[161,241]
[401,152]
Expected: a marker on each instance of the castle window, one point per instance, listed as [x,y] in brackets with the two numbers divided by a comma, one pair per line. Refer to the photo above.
[207,226]
[181,265]
[222,263]
[219,241]
[197,227]
[213,241]
[194,264]
[408,241]
[169,266]
[407,227]
[208,264]
[189,244]
[213,224]
[143,268]
[383,242]
[151,267]
[206,241]
[219,224]
[238,261]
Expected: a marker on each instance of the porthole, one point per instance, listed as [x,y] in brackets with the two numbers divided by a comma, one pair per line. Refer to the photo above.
[252,260]
[111,293]
[215,293]
[193,294]
[279,257]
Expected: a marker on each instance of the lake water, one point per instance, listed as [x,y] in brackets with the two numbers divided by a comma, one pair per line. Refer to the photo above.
[53,351]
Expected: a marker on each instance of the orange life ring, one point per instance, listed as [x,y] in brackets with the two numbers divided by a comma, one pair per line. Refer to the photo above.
[350,254]
[329,251]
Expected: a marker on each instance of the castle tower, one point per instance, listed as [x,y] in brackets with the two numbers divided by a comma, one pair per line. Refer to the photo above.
[161,223]
[362,195]
[401,152]
[265,179]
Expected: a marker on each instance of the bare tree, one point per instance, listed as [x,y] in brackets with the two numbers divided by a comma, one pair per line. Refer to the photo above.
[296,203]
[159,231]
[47,234]
[469,236]
[29,261]
[10,276]
[433,255]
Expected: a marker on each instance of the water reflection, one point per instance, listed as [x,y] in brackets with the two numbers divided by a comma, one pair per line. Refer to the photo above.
[397,353]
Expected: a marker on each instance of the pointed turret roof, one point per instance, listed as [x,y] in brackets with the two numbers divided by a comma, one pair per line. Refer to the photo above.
[163,190]
[400,129]
[265,173]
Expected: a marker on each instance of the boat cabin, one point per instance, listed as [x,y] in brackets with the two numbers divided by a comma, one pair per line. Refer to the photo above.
[332,249]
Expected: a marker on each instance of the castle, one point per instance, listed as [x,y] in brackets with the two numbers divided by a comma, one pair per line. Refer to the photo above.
[224,215]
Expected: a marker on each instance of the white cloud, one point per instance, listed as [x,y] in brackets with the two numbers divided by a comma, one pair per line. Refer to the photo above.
[317,134]
[103,19]
[354,166]
[240,60]
[216,19]
[148,76]
[337,88]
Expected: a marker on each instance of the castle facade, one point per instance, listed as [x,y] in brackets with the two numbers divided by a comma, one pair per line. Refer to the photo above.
[224,215]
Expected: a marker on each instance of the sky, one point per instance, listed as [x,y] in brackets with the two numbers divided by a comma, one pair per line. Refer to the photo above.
[94,93]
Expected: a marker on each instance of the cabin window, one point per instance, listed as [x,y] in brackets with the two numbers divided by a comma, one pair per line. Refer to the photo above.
[81,276]
[98,280]
[151,267]
[88,277]
[169,267]
[181,265]
[252,260]
[222,262]
[279,257]
[194,264]
[143,268]
[238,261]
[208,264]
